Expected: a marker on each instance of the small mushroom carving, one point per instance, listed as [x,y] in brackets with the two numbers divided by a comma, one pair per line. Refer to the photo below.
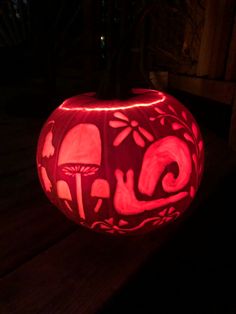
[80,155]
[63,192]
[101,189]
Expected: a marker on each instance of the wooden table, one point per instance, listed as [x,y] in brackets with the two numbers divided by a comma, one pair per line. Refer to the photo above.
[50,265]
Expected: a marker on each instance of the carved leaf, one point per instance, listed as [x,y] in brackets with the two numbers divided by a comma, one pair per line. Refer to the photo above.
[163,212]
[200,169]
[157,222]
[172,109]
[192,191]
[162,121]
[194,160]
[159,110]
[200,146]
[188,138]
[122,222]
[195,130]
[184,115]
[176,126]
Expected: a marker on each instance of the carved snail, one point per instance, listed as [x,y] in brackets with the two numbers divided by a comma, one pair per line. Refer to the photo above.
[159,155]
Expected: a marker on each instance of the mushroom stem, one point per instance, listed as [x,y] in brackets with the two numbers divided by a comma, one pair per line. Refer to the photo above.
[79,195]
[98,205]
[68,205]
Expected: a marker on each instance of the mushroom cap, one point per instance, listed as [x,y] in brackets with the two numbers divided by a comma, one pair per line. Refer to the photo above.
[63,190]
[81,146]
[100,188]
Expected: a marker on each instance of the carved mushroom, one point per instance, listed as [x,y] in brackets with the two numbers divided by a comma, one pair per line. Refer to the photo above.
[101,189]
[80,155]
[63,192]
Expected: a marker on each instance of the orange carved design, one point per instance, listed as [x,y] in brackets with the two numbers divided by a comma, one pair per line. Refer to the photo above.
[125,201]
[157,157]
[48,148]
[191,133]
[138,133]
[63,192]
[46,181]
[101,189]
[80,154]
[108,225]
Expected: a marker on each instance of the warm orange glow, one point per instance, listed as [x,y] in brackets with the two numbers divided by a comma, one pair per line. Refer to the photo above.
[113,107]
[121,166]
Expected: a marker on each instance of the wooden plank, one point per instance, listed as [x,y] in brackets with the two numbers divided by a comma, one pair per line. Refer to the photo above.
[19,145]
[224,18]
[83,271]
[18,188]
[192,37]
[18,136]
[220,91]
[77,275]
[207,38]
[230,73]
[232,133]
[21,160]
[28,228]
[28,221]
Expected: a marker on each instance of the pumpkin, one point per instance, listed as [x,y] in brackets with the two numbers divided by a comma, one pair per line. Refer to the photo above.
[121,166]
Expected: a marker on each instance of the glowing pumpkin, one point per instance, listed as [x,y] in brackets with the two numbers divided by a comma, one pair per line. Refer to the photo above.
[121,166]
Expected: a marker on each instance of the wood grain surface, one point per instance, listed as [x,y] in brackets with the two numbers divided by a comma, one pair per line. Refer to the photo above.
[50,265]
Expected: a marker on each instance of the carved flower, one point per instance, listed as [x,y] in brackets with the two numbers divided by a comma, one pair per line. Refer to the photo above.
[108,226]
[166,215]
[138,133]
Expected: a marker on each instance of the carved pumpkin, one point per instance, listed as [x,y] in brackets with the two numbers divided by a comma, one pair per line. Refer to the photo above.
[121,166]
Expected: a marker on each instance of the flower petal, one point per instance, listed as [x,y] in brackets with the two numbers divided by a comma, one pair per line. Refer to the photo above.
[138,139]
[122,222]
[121,116]
[103,226]
[110,221]
[146,134]
[163,212]
[117,124]
[121,136]
[171,210]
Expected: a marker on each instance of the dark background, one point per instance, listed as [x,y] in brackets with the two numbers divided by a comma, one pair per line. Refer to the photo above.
[50,50]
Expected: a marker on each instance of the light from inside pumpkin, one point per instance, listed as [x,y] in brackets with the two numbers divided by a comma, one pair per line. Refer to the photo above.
[121,166]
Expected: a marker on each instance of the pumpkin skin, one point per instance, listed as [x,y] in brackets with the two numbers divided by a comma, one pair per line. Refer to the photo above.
[121,166]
